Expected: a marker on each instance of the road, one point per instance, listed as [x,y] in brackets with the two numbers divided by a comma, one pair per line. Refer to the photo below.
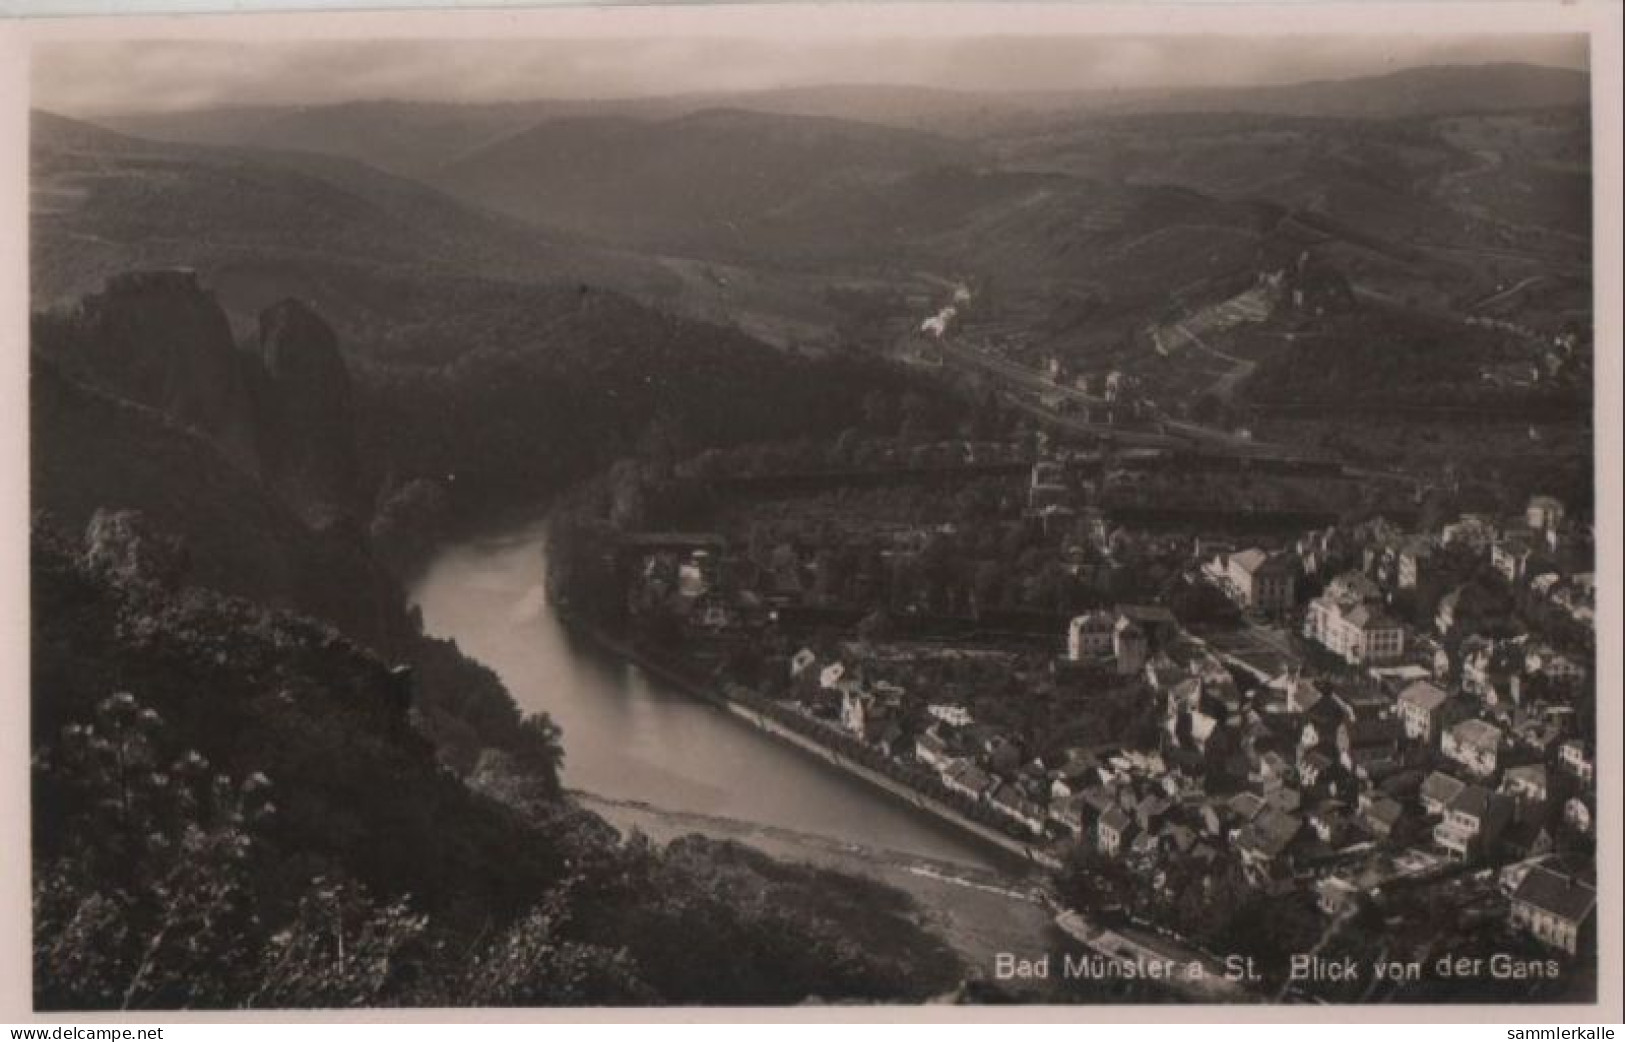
[1512,290]
[1225,386]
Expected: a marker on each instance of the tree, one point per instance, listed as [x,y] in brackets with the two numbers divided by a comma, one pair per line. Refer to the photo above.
[149,906]
[876,626]
[532,964]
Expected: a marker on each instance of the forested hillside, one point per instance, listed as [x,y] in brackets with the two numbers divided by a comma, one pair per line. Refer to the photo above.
[233,808]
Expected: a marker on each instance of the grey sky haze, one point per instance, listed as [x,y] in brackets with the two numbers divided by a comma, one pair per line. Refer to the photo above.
[94,77]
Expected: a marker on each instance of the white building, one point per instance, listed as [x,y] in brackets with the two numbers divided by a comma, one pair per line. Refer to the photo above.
[1349,621]
[1261,581]
[1090,636]
[1544,513]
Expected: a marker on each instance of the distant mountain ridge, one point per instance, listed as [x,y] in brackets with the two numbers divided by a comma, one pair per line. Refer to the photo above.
[789,176]
[691,180]
[414,137]
[104,202]
[1425,91]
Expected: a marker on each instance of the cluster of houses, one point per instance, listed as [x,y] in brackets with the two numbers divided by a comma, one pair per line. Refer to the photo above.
[1414,750]
[1411,762]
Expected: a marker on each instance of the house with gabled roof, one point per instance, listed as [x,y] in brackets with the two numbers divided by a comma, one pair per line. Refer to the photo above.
[1262,581]
[1365,746]
[1348,620]
[1472,823]
[1380,815]
[967,779]
[1264,842]
[1553,908]
[1009,801]
[1438,791]
[1070,812]
[1113,831]
[1422,709]
[1089,636]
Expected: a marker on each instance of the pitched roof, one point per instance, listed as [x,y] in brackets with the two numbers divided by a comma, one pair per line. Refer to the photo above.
[1473,799]
[1479,733]
[1557,894]
[1371,732]
[1424,695]
[1152,804]
[1352,586]
[1246,804]
[1100,798]
[1249,560]
[1010,797]
[1530,774]
[1384,810]
[1098,621]
[1368,617]
[1306,695]
[1442,787]
[1116,819]
[1270,833]
[1285,800]
[1143,613]
[970,776]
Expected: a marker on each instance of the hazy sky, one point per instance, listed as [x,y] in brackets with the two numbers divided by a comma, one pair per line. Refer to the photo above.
[111,76]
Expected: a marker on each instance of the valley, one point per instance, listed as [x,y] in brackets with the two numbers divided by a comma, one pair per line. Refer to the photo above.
[1011,448]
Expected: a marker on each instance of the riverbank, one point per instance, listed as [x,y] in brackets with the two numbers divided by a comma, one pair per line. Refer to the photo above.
[979,914]
[1124,947]
[652,748]
[1026,853]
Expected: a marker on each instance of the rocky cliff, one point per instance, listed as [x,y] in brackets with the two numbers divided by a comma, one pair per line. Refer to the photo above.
[283,413]
[158,339]
[307,445]
[141,401]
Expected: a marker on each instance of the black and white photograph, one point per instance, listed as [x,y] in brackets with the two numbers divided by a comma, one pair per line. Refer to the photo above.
[814,509]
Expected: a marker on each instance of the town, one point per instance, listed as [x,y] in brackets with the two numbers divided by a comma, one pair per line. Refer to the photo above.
[1382,728]
[693,510]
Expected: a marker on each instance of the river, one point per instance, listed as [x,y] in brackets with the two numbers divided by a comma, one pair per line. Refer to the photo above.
[631,740]
[644,755]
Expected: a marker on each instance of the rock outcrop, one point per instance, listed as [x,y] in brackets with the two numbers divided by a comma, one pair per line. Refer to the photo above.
[285,413]
[141,404]
[308,439]
[123,544]
[158,339]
